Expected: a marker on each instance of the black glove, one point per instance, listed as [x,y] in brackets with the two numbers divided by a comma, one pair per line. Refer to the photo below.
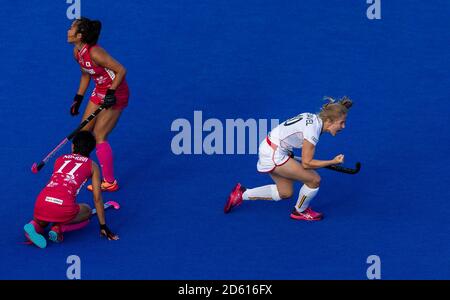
[104,231]
[74,108]
[110,98]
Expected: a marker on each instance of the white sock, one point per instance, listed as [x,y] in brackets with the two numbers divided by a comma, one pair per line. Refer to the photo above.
[304,197]
[267,192]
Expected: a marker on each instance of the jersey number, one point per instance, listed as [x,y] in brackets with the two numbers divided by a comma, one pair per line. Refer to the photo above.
[293,120]
[66,162]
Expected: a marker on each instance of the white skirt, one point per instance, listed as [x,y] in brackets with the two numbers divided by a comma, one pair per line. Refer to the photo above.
[269,158]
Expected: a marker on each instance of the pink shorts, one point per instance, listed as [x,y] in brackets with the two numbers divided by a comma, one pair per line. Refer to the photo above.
[122,94]
[55,209]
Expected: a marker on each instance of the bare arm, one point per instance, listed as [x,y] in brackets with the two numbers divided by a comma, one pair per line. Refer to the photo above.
[308,161]
[84,83]
[103,59]
[98,201]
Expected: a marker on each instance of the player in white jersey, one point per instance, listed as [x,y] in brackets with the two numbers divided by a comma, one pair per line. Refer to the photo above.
[302,131]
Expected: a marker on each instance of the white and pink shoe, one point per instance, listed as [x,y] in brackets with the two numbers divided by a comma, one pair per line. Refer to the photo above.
[307,215]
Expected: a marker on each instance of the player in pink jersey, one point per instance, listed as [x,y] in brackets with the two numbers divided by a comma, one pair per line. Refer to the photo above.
[56,203]
[111,90]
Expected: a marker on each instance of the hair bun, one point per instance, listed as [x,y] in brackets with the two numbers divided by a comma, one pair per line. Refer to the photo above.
[346,102]
[90,30]
[95,25]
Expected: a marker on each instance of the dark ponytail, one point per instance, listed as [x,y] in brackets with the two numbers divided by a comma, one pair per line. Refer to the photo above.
[89,29]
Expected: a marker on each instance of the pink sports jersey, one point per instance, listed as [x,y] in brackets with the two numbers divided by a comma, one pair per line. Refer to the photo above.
[57,201]
[103,78]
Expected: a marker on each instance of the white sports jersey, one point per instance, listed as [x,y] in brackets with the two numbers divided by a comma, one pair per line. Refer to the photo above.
[290,134]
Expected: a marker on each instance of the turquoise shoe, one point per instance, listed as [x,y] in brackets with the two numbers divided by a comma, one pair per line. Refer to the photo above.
[36,238]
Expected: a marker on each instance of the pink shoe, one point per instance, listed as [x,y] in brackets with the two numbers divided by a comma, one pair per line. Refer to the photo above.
[235,198]
[106,186]
[307,215]
[315,214]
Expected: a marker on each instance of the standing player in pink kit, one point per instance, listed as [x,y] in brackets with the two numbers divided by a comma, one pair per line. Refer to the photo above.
[111,90]
[57,201]
[275,154]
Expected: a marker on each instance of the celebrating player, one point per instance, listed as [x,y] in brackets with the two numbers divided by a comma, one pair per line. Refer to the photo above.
[57,201]
[111,90]
[302,131]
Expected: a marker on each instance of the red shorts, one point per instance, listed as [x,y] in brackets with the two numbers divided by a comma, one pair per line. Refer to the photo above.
[55,209]
[122,94]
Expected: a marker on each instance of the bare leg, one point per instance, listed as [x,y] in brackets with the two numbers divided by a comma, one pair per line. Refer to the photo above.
[83,215]
[106,121]
[311,179]
[285,186]
[90,108]
[293,170]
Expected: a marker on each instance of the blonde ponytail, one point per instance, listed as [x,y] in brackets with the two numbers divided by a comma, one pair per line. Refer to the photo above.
[333,110]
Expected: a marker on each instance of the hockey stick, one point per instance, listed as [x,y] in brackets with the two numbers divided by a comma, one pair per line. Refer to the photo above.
[107,205]
[338,168]
[37,167]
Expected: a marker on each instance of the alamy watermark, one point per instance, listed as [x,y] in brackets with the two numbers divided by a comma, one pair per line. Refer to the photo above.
[374,10]
[214,136]
[374,270]
[74,10]
[74,269]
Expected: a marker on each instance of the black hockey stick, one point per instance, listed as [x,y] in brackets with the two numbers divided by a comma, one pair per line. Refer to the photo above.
[345,170]
[36,167]
[338,168]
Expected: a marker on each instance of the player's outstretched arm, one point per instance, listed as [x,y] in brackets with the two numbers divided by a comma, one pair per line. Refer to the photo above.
[98,201]
[308,161]
[84,83]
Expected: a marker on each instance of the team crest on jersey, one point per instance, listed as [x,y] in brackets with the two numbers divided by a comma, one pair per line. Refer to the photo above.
[84,63]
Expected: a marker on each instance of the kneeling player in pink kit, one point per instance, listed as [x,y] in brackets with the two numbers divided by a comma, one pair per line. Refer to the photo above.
[57,201]
[275,154]
[111,90]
